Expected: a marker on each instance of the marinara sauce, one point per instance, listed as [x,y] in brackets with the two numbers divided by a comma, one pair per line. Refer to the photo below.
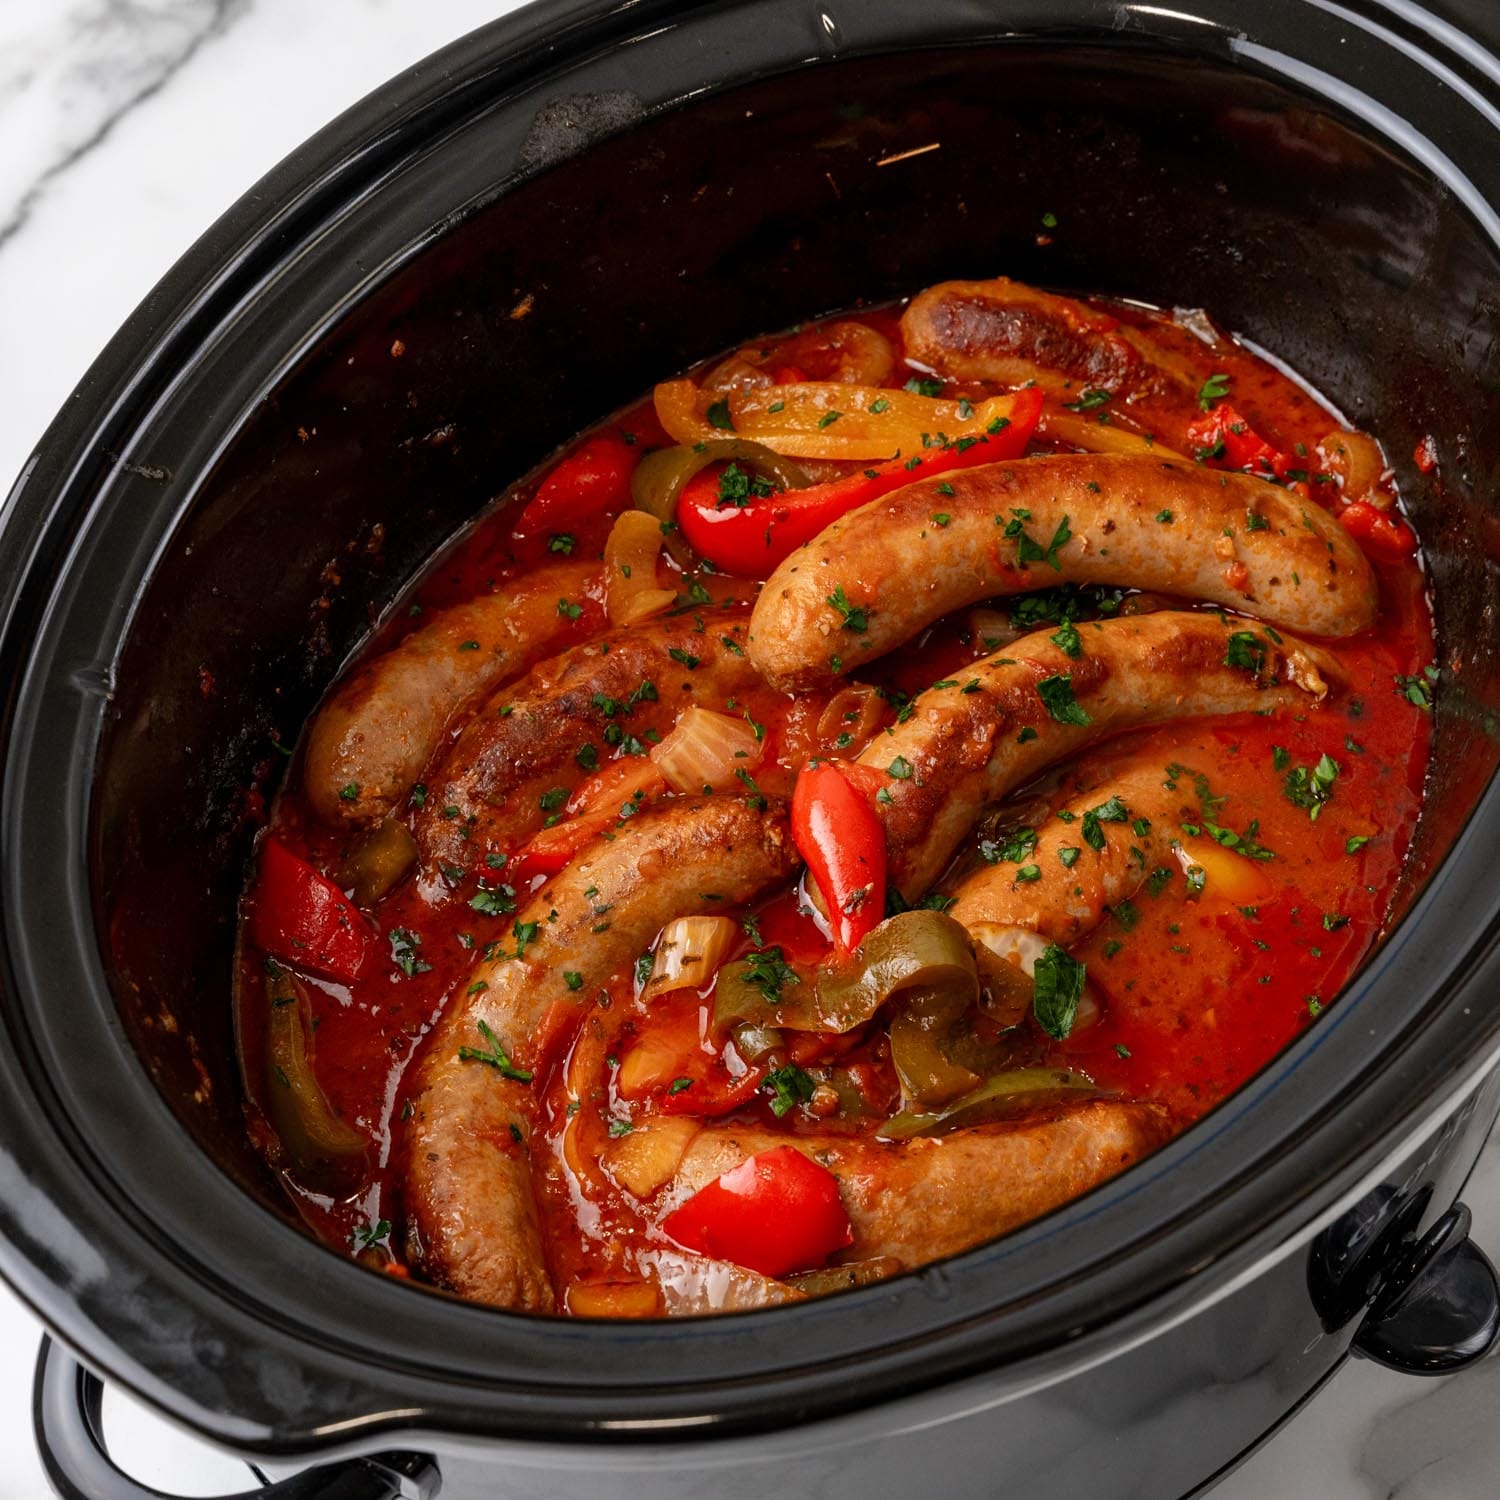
[1196,982]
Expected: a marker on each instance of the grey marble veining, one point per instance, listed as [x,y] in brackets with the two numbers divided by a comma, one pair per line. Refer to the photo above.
[66,86]
[126,127]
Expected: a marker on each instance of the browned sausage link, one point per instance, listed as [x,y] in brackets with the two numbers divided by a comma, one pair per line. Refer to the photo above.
[967,746]
[921,1199]
[487,790]
[1130,521]
[472,1214]
[372,739]
[1065,901]
[1005,331]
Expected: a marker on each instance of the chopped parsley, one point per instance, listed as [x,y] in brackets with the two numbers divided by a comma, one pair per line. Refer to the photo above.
[1212,391]
[769,972]
[404,945]
[1057,697]
[719,416]
[1067,640]
[789,1087]
[370,1235]
[1013,848]
[853,617]
[737,487]
[1245,650]
[1091,399]
[1028,550]
[1311,788]
[493,1056]
[1057,987]
[493,901]
[920,385]
[1417,689]
[1112,811]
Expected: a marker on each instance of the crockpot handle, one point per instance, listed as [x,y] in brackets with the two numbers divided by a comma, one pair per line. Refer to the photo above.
[66,1406]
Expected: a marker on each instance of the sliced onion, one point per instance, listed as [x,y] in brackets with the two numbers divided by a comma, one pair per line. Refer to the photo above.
[1357,460]
[630,554]
[689,953]
[840,1278]
[692,1284]
[646,1158]
[736,374]
[847,352]
[705,750]
[991,629]
[824,419]
[1018,946]
[1147,604]
[855,712]
[1079,431]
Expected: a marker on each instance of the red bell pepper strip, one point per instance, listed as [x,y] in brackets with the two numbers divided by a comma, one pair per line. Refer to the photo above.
[594,477]
[837,833]
[1224,438]
[597,805]
[1378,532]
[750,540]
[774,1213]
[784,923]
[304,919]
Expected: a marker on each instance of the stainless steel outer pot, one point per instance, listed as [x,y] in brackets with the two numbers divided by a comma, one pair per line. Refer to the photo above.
[198,541]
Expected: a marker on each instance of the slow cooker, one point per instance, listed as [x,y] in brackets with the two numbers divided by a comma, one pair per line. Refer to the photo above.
[245,478]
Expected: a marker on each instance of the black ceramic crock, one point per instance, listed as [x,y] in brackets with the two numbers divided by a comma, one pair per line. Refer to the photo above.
[246,477]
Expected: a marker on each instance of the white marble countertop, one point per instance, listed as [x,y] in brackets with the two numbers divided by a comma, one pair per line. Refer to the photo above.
[126,128]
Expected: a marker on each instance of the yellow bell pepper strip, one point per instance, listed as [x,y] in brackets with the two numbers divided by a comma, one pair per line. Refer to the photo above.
[747,530]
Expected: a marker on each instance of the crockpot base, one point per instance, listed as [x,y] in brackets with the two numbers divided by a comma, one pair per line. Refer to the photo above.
[195,550]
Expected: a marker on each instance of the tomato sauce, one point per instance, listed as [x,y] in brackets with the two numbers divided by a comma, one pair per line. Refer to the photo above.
[1196,990]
